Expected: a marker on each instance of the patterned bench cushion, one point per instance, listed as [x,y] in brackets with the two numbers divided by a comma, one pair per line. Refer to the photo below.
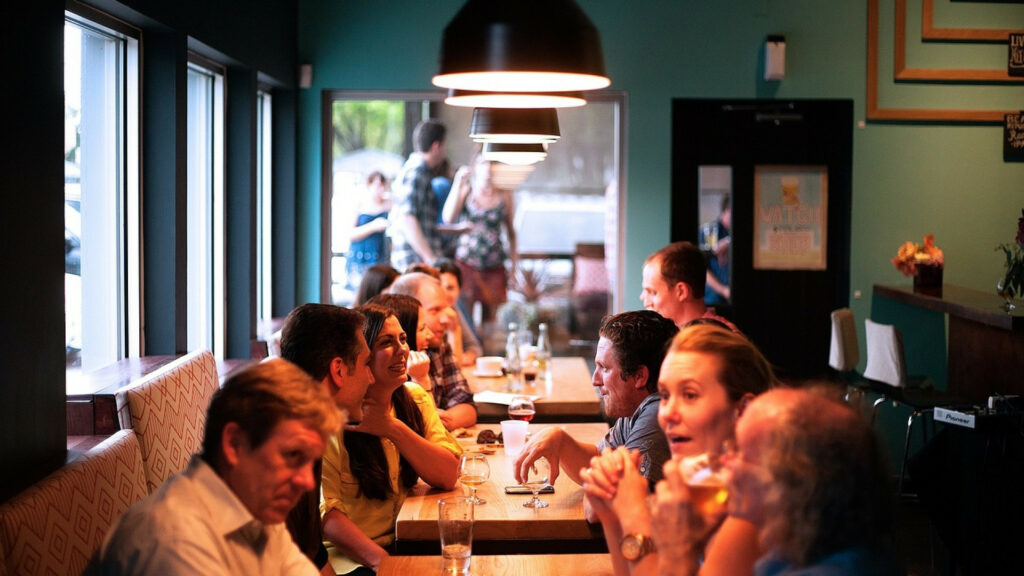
[54,527]
[167,410]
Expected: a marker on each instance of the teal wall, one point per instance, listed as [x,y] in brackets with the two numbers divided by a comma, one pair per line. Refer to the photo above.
[908,180]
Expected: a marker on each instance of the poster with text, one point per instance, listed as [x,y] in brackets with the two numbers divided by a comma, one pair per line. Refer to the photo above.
[790,217]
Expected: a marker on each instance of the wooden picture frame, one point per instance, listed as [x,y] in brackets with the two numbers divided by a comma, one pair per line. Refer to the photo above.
[875,112]
[790,217]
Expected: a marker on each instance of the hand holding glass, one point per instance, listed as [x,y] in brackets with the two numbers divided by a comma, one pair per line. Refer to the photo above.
[537,477]
[474,471]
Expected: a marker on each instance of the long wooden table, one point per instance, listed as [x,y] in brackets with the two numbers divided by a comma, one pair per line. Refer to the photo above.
[503,519]
[569,398]
[506,565]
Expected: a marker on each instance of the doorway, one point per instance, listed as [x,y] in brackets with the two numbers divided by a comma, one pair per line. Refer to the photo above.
[784,167]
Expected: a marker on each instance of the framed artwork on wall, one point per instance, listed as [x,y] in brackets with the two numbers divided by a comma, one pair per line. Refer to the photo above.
[790,217]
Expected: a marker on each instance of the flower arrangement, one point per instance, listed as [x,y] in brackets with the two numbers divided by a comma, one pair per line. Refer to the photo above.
[910,257]
[1012,283]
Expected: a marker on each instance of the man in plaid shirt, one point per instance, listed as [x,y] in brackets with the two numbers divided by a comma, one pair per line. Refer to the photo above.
[451,392]
[414,233]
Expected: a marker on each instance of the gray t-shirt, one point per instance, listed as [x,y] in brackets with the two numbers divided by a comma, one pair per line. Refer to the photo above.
[641,432]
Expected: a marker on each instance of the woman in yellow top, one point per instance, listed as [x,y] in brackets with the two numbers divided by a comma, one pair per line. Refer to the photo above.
[369,470]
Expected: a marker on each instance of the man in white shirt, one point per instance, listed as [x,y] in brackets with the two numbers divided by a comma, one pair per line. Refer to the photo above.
[224,514]
[674,280]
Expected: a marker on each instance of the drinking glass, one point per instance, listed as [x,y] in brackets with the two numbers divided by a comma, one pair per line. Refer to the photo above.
[455,523]
[474,471]
[521,408]
[707,480]
[537,477]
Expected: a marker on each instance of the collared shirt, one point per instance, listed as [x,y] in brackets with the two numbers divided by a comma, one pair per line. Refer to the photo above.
[449,384]
[413,196]
[641,432]
[376,518]
[195,524]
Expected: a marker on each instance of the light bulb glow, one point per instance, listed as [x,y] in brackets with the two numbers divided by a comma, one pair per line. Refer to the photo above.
[514,100]
[521,81]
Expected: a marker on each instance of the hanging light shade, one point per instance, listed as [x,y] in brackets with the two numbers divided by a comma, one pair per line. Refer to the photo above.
[477,99]
[514,154]
[514,125]
[521,46]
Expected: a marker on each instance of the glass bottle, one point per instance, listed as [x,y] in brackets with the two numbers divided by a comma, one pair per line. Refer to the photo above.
[513,364]
[543,353]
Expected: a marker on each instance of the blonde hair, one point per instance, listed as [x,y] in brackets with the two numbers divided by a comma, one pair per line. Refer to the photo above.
[260,396]
[744,370]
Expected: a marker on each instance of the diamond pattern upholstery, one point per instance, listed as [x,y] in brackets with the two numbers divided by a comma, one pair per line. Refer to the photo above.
[167,410]
[53,527]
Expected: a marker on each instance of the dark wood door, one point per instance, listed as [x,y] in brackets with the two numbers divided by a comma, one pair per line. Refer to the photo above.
[785,312]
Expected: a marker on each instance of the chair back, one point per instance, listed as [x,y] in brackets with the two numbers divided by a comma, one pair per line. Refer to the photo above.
[844,352]
[885,361]
[56,525]
[168,412]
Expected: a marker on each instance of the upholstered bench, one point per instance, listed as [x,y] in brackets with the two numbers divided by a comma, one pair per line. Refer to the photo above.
[53,527]
[167,410]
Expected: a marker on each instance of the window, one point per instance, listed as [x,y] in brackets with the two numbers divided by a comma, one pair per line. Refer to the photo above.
[101,240]
[205,275]
[264,216]
[572,198]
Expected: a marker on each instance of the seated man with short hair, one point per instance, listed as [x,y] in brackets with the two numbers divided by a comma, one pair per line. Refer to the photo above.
[224,514]
[629,356]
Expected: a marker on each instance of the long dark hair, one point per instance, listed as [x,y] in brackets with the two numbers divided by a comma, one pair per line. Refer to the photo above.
[365,452]
[375,280]
[407,309]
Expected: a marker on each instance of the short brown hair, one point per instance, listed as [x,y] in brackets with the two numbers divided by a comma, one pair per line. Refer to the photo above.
[639,338]
[315,334]
[682,262]
[259,397]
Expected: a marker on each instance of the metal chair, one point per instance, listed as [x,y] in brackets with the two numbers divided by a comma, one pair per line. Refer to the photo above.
[886,364]
[844,355]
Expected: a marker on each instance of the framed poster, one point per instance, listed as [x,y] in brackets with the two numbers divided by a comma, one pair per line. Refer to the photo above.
[790,217]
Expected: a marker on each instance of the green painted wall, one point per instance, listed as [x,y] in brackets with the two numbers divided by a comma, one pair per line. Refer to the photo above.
[908,180]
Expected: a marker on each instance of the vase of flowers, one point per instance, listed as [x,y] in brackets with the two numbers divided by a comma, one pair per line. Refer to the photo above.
[1012,283]
[924,262]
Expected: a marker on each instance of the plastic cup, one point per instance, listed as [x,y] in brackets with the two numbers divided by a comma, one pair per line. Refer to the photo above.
[455,524]
[513,433]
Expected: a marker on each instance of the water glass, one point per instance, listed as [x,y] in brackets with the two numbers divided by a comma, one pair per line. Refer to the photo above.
[455,523]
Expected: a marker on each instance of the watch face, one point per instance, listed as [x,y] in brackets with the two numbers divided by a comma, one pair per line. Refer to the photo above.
[630,548]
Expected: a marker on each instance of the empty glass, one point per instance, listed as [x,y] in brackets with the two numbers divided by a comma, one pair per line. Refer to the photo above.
[537,477]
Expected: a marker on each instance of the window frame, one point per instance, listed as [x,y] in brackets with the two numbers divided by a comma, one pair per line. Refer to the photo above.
[432,99]
[215,334]
[127,132]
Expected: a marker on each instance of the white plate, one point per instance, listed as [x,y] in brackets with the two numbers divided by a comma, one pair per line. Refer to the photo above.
[480,374]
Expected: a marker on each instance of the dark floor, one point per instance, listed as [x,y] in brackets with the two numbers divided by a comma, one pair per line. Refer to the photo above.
[923,550]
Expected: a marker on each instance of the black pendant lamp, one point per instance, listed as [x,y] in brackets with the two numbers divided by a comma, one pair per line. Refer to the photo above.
[521,46]
[514,154]
[477,99]
[514,125]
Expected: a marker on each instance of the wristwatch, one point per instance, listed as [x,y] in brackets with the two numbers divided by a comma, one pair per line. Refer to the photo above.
[636,546]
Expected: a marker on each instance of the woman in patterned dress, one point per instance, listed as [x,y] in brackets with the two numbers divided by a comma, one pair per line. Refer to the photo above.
[481,253]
